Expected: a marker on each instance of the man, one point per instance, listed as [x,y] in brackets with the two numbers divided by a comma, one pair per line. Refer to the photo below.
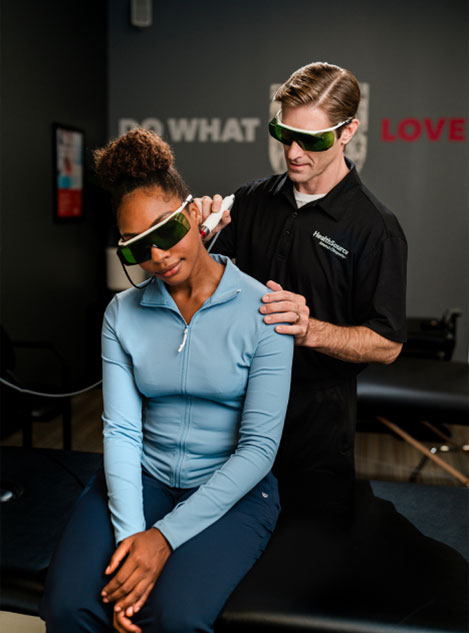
[335,260]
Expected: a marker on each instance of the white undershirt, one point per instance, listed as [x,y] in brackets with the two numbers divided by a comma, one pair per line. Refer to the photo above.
[304,198]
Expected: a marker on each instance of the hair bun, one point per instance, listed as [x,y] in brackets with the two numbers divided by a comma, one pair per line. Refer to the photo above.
[136,155]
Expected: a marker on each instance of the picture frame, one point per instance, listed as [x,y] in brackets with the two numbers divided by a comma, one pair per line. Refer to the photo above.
[68,173]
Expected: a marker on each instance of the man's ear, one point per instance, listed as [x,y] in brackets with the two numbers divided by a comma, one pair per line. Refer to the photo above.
[348,131]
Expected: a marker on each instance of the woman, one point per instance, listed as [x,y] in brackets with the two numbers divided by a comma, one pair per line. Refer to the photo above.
[195,389]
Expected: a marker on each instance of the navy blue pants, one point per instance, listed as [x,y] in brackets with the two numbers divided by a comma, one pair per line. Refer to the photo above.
[196,581]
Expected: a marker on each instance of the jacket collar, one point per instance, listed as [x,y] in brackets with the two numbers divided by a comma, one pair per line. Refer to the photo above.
[156,294]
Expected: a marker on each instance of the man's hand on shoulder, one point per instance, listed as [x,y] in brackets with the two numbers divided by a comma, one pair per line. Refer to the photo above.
[353,344]
[287,309]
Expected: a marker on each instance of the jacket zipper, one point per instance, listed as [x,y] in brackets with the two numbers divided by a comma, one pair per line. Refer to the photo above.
[184,339]
[188,403]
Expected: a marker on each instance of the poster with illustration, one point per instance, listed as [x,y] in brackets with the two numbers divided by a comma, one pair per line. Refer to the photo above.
[69,151]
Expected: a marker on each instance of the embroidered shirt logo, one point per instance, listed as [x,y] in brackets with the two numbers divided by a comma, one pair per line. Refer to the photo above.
[331,245]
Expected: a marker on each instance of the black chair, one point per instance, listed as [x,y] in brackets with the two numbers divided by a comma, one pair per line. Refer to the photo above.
[21,410]
[432,338]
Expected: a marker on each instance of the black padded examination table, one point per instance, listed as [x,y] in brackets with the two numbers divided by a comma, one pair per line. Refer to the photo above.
[413,392]
[398,564]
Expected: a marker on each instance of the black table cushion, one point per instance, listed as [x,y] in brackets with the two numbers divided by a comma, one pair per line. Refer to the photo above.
[372,572]
[416,388]
[49,482]
[375,572]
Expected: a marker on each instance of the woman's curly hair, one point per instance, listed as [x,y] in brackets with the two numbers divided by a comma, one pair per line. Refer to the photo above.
[138,159]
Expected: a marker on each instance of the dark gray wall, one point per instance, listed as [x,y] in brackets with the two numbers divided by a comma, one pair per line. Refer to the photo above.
[211,59]
[52,279]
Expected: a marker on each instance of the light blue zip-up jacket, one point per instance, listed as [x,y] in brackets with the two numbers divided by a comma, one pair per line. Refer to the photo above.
[199,405]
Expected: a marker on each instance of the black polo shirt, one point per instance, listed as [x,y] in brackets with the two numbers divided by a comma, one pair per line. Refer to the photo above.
[345,253]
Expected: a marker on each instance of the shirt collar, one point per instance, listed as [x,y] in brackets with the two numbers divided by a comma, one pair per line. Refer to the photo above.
[156,293]
[332,203]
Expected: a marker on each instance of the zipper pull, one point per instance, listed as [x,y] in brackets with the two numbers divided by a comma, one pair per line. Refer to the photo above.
[181,347]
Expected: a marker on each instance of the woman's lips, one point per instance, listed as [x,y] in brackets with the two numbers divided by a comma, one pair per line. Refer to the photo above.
[170,270]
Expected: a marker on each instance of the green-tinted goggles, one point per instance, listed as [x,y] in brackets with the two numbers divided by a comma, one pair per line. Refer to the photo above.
[163,235]
[308,140]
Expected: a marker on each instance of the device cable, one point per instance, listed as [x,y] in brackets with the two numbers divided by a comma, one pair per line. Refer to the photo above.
[49,395]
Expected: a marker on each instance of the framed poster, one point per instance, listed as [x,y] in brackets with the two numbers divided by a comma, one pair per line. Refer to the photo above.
[68,168]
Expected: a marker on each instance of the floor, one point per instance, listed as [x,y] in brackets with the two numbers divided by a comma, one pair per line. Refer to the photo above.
[378,455]
[17,623]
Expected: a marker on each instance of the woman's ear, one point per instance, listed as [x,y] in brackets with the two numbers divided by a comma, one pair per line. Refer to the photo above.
[195,213]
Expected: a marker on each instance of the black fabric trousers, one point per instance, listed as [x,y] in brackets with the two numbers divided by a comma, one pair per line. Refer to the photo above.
[315,463]
[196,581]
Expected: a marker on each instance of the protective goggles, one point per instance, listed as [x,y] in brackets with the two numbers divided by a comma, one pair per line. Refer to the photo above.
[163,235]
[308,140]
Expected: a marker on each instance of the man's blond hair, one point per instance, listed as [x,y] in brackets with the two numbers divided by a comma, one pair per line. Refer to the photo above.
[322,85]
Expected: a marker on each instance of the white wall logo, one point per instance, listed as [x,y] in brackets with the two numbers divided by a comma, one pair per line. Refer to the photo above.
[331,245]
[356,149]
[276,156]
[200,130]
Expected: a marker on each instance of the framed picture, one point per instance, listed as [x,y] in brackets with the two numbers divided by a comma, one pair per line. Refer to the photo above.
[68,170]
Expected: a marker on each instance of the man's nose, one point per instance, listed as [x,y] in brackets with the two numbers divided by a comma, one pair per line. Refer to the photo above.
[294,151]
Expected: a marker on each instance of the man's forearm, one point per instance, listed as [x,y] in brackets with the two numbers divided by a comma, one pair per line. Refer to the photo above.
[356,344]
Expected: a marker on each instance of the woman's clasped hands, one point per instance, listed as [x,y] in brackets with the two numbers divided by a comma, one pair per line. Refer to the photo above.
[141,558]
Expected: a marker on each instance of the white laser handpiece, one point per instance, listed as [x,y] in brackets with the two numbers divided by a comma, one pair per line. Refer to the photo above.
[214,218]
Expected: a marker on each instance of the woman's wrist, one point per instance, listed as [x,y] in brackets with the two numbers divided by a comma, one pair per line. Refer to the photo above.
[162,543]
